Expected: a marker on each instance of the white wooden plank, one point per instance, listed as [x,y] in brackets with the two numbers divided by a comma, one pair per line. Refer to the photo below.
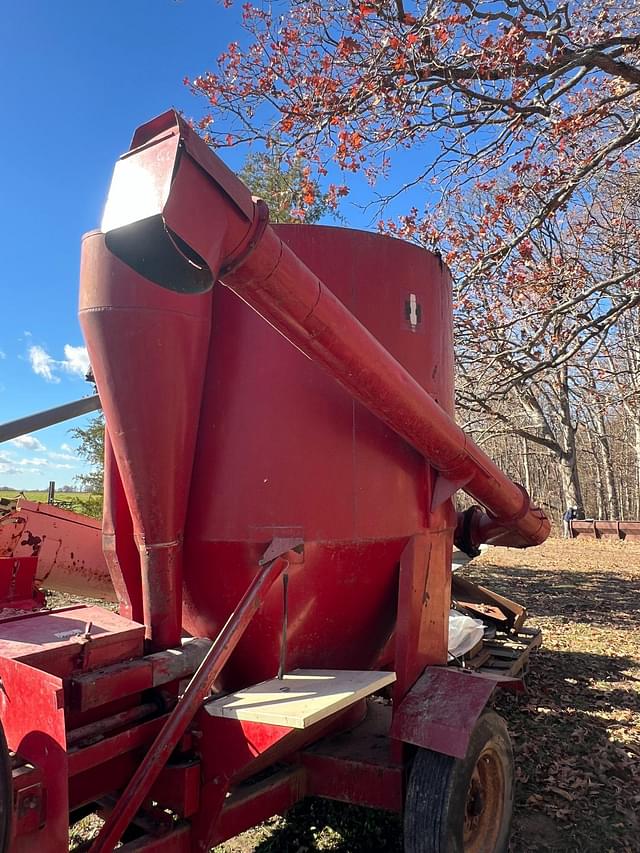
[301,698]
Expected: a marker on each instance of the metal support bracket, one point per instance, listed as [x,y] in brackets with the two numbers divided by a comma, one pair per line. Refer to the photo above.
[444,488]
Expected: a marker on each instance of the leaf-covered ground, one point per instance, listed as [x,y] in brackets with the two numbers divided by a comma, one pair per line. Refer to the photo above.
[576,733]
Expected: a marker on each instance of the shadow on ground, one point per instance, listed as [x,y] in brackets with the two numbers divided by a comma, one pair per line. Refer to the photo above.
[316,824]
[576,733]
[593,597]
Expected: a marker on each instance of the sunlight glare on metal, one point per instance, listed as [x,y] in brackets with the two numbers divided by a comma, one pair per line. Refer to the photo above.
[134,194]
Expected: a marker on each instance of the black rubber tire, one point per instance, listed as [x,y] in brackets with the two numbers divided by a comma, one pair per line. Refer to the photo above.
[6,794]
[438,793]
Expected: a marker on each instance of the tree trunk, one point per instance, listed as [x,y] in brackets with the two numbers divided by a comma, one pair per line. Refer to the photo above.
[525,461]
[636,427]
[568,458]
[571,491]
[612,504]
[599,485]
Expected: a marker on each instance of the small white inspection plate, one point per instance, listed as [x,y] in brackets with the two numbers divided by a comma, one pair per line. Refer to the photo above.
[301,698]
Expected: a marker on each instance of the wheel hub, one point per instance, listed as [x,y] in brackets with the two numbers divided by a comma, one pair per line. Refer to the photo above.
[485,803]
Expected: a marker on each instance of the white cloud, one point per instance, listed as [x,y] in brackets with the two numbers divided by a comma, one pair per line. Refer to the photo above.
[31,472]
[66,447]
[28,442]
[42,364]
[75,362]
[67,456]
[7,465]
[2,355]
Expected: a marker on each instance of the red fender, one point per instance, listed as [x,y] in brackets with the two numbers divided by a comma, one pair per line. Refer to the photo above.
[442,708]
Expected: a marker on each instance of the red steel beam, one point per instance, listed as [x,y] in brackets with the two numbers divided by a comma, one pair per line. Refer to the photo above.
[259,802]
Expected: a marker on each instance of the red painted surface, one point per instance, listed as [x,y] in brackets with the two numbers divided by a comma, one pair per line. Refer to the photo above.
[150,385]
[68,546]
[424,596]
[358,766]
[232,750]
[17,583]
[70,639]
[598,529]
[356,316]
[363,783]
[354,533]
[178,787]
[174,841]
[255,806]
[32,708]
[441,710]
[118,543]
[246,483]
[95,756]
[629,530]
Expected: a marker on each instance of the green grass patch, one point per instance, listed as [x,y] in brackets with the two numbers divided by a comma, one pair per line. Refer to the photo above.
[71,497]
[84,502]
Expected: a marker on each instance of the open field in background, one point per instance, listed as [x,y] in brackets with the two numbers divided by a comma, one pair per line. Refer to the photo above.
[78,497]
[576,734]
[76,501]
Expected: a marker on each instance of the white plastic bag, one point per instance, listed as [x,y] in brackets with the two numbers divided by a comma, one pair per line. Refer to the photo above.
[464,633]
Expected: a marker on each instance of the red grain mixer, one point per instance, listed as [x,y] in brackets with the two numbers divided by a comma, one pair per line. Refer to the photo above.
[281,460]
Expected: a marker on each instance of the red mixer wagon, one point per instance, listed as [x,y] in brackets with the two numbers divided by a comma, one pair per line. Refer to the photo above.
[281,458]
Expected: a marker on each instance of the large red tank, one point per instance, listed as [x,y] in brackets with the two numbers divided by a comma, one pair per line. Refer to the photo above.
[282,449]
[227,435]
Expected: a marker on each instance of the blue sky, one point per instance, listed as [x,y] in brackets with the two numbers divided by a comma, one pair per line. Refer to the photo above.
[78,77]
